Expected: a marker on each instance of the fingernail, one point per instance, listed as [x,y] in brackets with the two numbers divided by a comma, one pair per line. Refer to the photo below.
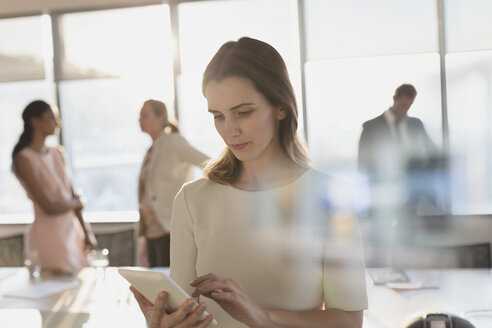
[191,282]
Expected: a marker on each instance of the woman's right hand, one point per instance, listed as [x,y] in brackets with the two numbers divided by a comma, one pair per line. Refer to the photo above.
[184,317]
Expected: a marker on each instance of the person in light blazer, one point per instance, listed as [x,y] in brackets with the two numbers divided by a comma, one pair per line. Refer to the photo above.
[168,164]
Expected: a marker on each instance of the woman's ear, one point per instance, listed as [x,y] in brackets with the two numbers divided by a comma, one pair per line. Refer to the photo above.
[281,114]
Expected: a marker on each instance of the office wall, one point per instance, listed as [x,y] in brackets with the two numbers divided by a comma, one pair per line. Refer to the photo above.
[29,7]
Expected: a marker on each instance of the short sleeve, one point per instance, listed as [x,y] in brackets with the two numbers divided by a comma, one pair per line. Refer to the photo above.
[183,246]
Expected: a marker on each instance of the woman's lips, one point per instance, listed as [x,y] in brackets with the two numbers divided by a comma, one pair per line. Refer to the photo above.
[239,146]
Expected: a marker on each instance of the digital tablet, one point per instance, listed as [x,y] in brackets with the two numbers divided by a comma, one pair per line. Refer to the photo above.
[149,283]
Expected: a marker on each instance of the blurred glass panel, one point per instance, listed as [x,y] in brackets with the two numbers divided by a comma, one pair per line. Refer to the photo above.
[342,94]
[14,97]
[204,26]
[103,138]
[132,42]
[468,25]
[469,80]
[22,48]
[354,28]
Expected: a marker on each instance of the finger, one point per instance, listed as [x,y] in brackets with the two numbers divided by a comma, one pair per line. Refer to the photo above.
[201,279]
[194,316]
[207,321]
[207,287]
[145,305]
[140,298]
[159,312]
[183,310]
[223,297]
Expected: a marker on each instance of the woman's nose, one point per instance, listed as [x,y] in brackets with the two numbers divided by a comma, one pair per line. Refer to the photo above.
[232,129]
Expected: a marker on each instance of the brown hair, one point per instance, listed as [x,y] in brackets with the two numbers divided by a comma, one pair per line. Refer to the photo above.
[261,64]
[159,108]
[407,90]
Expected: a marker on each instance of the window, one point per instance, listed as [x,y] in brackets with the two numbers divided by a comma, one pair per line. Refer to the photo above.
[113,61]
[353,28]
[23,46]
[344,93]
[467,25]
[469,82]
[469,77]
[25,56]
[204,26]
[355,62]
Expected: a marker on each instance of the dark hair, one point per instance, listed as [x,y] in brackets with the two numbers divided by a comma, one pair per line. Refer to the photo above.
[260,63]
[159,108]
[407,90]
[35,109]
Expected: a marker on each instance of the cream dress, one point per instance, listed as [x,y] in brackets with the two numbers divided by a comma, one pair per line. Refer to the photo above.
[293,248]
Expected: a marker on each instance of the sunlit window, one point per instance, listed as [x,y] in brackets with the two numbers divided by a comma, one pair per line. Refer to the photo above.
[25,55]
[355,62]
[204,26]
[113,61]
[468,25]
[23,42]
[469,77]
[344,93]
[353,28]
[357,53]
[469,82]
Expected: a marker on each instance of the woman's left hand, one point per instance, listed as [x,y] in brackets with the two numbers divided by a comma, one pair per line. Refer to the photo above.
[90,241]
[231,297]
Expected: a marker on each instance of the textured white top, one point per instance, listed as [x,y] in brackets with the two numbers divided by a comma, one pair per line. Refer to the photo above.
[171,165]
[290,248]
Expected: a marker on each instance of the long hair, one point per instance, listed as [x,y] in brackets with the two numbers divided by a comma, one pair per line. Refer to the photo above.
[35,109]
[261,64]
[159,108]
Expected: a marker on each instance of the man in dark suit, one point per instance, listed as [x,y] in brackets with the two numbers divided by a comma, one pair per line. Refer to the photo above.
[392,140]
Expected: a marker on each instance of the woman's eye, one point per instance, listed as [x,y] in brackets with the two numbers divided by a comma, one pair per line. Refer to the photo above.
[245,113]
[217,117]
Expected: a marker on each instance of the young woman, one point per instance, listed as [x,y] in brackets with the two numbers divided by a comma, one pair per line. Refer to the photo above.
[166,166]
[261,237]
[58,236]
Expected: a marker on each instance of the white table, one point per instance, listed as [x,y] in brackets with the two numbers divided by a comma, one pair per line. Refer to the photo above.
[466,292]
[97,300]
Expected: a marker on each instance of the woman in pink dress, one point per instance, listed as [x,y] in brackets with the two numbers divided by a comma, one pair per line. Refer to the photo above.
[58,235]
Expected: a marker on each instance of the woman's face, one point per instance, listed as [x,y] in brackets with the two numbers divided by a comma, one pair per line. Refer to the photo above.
[244,118]
[149,122]
[47,124]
